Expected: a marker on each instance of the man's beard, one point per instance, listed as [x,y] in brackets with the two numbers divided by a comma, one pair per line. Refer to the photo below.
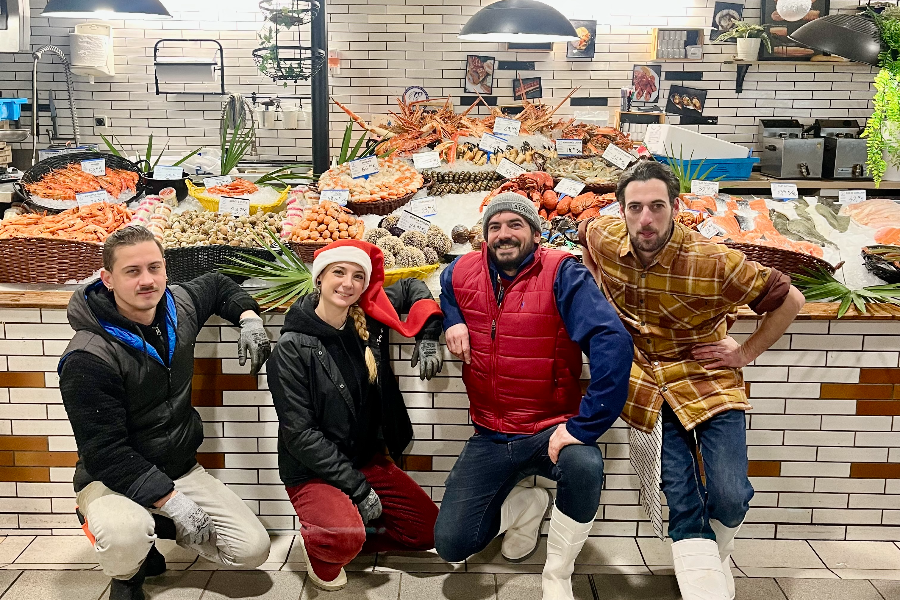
[511,264]
[653,244]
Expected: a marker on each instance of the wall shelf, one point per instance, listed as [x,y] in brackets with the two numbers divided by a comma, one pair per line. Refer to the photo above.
[744,65]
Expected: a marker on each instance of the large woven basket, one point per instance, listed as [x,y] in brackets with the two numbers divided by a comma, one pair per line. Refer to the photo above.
[385,207]
[211,203]
[306,250]
[786,261]
[47,260]
[184,264]
[394,275]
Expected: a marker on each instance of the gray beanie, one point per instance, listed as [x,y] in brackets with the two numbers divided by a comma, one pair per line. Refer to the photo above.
[511,202]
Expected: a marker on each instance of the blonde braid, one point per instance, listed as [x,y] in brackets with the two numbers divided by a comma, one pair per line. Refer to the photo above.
[359,321]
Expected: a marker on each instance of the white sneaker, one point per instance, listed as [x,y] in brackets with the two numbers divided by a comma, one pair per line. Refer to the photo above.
[564,542]
[328,586]
[725,542]
[521,516]
[698,570]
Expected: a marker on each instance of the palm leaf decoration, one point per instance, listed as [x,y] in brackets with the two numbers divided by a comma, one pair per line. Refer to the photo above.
[683,172]
[287,175]
[288,274]
[347,153]
[819,284]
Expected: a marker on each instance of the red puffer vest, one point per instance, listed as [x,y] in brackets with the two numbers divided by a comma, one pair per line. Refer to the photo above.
[525,371]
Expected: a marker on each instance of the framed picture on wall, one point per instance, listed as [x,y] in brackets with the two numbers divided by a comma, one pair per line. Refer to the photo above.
[685,101]
[645,81]
[784,48]
[586,44]
[479,74]
[530,87]
[725,14]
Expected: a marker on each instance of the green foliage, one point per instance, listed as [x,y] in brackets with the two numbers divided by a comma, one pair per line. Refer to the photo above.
[148,153]
[234,146]
[743,29]
[883,127]
[819,284]
[683,172]
[287,175]
[347,154]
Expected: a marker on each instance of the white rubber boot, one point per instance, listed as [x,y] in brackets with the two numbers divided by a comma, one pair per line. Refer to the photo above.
[725,541]
[698,570]
[564,542]
[328,586]
[520,517]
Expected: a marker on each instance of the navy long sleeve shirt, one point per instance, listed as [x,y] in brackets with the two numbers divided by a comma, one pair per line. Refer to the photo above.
[591,323]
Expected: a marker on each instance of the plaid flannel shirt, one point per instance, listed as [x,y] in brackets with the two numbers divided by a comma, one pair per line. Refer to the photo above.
[688,295]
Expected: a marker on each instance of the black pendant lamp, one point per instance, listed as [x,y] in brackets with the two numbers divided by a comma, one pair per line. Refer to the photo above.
[520,21]
[106,9]
[854,37]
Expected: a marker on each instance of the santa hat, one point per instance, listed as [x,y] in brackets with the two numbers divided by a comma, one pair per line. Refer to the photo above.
[373,301]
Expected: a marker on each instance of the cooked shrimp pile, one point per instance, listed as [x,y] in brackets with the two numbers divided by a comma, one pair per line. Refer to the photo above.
[394,180]
[64,183]
[235,188]
[91,223]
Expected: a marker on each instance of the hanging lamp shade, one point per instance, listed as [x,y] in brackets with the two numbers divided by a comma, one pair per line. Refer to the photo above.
[854,37]
[106,9]
[520,21]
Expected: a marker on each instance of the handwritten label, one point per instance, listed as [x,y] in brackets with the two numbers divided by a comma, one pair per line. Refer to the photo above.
[342,197]
[491,143]
[509,169]
[611,210]
[569,187]
[506,126]
[705,188]
[91,197]
[413,222]
[215,181]
[424,207]
[709,229]
[167,173]
[784,191]
[427,160]
[618,157]
[363,166]
[239,207]
[95,166]
[569,147]
[851,196]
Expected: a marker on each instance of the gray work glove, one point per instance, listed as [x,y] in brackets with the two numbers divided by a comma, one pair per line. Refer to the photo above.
[192,525]
[370,507]
[253,342]
[427,354]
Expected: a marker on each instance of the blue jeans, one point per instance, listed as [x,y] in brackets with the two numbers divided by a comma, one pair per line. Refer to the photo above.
[488,470]
[726,496]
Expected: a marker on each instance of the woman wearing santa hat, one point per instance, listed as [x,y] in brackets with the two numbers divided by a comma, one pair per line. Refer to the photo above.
[338,404]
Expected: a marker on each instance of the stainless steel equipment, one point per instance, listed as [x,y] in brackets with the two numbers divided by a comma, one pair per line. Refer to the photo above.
[845,151]
[788,152]
[35,114]
[15,26]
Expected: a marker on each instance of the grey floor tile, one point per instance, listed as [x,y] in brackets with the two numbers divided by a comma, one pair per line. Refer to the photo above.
[416,562]
[856,555]
[59,549]
[490,560]
[828,589]
[610,551]
[868,574]
[889,589]
[175,553]
[259,585]
[452,586]
[174,585]
[58,585]
[656,551]
[757,589]
[636,587]
[368,586]
[793,554]
[281,547]
[6,579]
[12,546]
[792,573]
[528,587]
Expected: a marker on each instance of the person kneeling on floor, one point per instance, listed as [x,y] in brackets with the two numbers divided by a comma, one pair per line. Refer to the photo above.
[338,403]
[125,380]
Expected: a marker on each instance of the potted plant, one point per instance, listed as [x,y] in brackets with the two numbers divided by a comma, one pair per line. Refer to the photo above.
[147,164]
[749,36]
[883,127]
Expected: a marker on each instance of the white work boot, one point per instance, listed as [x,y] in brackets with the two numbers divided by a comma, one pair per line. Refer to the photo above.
[520,517]
[334,585]
[564,542]
[725,541]
[698,570]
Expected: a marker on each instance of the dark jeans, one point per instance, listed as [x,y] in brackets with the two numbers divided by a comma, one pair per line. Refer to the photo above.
[487,471]
[727,493]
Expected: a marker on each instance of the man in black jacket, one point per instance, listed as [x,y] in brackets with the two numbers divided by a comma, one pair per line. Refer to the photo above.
[125,380]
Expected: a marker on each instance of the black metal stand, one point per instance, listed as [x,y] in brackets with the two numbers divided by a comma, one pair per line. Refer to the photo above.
[319,90]
[739,76]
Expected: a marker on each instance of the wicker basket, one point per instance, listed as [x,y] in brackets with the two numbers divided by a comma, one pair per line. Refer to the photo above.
[786,261]
[47,260]
[394,275]
[211,203]
[38,171]
[306,250]
[887,270]
[184,264]
[385,207]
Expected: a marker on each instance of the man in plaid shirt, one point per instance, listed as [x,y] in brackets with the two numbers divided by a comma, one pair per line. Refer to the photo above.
[676,293]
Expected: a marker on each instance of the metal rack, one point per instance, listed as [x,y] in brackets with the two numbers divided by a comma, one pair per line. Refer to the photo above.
[220,66]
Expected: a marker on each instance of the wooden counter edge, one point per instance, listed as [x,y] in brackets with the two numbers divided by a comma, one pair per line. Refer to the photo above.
[818,311]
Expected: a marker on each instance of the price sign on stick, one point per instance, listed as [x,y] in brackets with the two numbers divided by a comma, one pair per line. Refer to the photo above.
[363,166]
[569,147]
[504,126]
[91,197]
[611,210]
[409,221]
[618,157]
[784,191]
[342,197]
[95,166]
[705,188]
[209,182]
[709,229]
[851,196]
[167,173]
[239,207]
[509,169]
[424,207]
[427,160]
[491,143]
[569,187]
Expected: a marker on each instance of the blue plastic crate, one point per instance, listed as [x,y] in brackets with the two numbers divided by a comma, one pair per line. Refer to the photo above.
[11,108]
[724,169]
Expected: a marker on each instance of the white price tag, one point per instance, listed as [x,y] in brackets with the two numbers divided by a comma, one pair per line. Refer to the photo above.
[424,207]
[505,126]
[851,196]
[95,166]
[215,181]
[239,207]
[569,147]
[427,160]
[412,222]
[784,191]
[618,157]
[492,143]
[363,166]
[509,169]
[342,197]
[705,188]
[167,173]
[709,229]
[91,197]
[611,210]
[569,187]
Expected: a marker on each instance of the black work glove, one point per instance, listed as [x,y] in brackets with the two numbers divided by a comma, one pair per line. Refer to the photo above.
[370,507]
[427,354]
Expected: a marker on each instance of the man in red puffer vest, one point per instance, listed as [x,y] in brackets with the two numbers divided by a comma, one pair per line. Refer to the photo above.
[520,316]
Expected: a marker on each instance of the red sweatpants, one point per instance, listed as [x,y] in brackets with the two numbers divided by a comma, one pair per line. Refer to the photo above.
[333,531]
